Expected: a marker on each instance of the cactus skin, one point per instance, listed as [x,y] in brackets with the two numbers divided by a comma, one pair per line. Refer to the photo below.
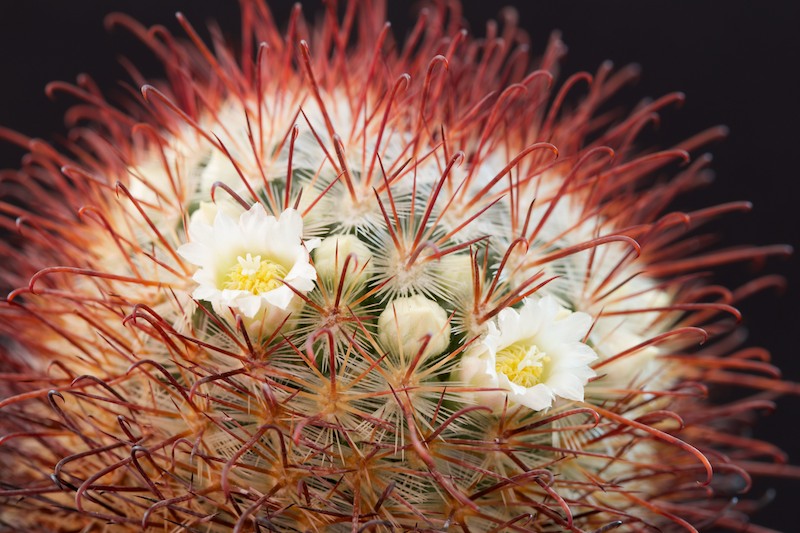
[454,173]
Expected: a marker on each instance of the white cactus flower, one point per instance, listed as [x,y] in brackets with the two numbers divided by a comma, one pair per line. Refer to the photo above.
[250,266]
[530,356]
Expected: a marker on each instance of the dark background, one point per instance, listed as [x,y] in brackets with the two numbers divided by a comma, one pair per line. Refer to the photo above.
[735,60]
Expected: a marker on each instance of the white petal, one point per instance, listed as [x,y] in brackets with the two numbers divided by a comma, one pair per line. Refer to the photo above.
[311,244]
[291,222]
[537,397]
[200,231]
[251,219]
[225,225]
[204,292]
[504,383]
[249,304]
[567,386]
[570,328]
[549,308]
[302,276]
[280,297]
[493,339]
[197,253]
[477,371]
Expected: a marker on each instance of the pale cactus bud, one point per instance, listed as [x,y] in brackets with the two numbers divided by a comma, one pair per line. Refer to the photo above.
[331,255]
[405,323]
[456,270]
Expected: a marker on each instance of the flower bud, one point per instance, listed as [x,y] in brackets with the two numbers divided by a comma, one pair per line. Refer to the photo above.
[456,273]
[404,324]
[331,255]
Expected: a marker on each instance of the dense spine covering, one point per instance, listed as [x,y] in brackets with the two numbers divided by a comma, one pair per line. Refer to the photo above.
[344,283]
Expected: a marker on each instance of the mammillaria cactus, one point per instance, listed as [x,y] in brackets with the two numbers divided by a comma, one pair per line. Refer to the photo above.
[331,281]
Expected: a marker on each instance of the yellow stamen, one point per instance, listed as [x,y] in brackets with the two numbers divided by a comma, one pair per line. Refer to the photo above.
[521,364]
[254,275]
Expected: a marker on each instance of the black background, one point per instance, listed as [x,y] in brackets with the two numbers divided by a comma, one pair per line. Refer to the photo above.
[735,60]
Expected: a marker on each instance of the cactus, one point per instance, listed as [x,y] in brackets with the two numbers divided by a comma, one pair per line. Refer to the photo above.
[343,283]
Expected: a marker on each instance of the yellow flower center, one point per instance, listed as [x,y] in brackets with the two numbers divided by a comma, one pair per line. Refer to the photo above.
[254,275]
[522,364]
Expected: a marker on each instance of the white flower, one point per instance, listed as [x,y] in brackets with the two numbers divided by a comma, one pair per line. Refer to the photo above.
[404,324]
[531,357]
[248,265]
